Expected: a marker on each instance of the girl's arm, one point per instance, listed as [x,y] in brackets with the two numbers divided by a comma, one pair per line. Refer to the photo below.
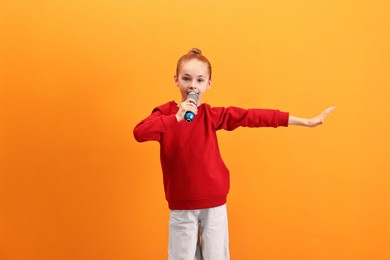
[151,128]
[310,122]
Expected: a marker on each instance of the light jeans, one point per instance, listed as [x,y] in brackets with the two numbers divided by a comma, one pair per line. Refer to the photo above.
[199,234]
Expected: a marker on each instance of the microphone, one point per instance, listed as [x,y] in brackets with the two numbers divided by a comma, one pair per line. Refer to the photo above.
[189,116]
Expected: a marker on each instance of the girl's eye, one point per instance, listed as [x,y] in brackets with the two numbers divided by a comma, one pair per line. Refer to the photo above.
[200,80]
[186,79]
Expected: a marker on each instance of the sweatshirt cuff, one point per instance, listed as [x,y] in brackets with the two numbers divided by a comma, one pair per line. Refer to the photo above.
[169,121]
[284,116]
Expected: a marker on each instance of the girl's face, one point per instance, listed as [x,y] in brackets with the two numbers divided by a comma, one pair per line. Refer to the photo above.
[193,76]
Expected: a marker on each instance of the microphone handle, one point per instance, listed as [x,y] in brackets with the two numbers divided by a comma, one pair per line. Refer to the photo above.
[189,116]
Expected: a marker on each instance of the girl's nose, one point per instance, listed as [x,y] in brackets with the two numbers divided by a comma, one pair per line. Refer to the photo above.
[193,85]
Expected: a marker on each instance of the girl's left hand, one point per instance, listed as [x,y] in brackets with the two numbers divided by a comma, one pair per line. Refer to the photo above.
[319,120]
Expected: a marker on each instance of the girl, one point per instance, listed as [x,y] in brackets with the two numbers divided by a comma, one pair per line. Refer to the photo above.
[196,180]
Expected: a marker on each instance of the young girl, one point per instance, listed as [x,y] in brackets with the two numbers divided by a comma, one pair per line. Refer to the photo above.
[196,180]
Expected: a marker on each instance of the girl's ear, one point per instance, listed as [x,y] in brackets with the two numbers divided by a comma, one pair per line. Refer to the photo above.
[176,79]
[209,84]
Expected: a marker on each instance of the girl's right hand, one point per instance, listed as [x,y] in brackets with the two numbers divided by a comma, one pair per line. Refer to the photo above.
[187,105]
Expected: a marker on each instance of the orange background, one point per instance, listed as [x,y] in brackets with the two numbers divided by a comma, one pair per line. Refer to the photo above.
[76,76]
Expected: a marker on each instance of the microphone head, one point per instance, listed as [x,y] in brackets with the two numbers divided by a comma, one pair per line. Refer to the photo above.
[193,96]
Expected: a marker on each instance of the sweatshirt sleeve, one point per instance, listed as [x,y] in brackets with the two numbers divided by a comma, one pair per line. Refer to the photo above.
[151,128]
[232,117]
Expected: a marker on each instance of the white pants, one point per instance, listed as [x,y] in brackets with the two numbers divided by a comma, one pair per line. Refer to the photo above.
[199,234]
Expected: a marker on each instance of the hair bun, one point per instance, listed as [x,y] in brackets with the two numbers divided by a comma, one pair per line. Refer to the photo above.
[196,51]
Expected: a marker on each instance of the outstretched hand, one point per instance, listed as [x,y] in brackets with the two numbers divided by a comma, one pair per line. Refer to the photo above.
[319,120]
[311,122]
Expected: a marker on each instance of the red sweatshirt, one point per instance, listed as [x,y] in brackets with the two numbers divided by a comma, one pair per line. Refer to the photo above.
[194,173]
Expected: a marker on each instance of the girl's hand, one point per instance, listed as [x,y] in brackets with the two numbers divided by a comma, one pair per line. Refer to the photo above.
[187,105]
[319,120]
[312,122]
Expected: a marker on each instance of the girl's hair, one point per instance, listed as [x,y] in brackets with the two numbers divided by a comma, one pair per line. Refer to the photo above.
[194,53]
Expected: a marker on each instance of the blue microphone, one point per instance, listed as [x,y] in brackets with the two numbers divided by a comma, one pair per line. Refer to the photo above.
[189,116]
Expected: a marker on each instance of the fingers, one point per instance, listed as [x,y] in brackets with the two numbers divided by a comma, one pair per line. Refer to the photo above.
[190,100]
[319,120]
[327,112]
[189,105]
[330,109]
